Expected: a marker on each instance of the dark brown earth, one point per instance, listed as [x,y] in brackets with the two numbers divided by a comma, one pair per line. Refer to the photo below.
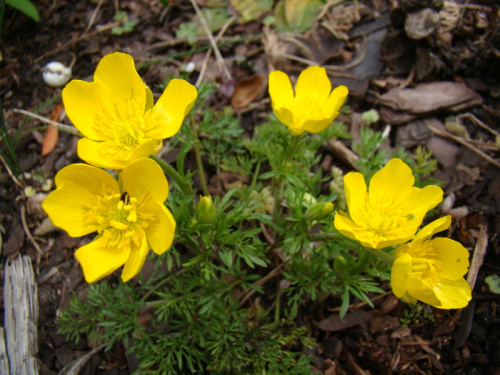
[466,55]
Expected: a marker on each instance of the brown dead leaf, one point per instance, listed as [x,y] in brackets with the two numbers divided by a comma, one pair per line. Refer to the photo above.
[424,99]
[52,134]
[333,323]
[247,90]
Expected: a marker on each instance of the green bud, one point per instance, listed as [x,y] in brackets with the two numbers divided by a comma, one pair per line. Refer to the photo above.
[340,265]
[319,210]
[205,210]
[308,200]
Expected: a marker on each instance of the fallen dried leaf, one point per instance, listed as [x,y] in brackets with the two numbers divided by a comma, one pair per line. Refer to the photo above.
[334,323]
[52,134]
[247,90]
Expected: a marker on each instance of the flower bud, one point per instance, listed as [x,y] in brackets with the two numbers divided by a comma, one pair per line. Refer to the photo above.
[319,210]
[340,265]
[205,210]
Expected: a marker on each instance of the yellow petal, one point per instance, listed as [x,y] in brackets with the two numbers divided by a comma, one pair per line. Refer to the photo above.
[144,176]
[82,103]
[432,228]
[452,294]
[422,291]
[91,178]
[453,256]
[167,116]
[356,195]
[111,155]
[67,209]
[160,233]
[313,83]
[134,263]
[280,90]
[345,225]
[392,181]
[315,126]
[150,101]
[401,269]
[404,235]
[335,101]
[99,261]
[116,72]
[423,200]
[286,117]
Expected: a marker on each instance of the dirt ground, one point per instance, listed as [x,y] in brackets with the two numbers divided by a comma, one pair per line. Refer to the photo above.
[455,71]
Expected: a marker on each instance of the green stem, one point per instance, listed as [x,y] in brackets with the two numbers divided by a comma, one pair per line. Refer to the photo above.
[292,148]
[278,303]
[382,255]
[160,284]
[199,162]
[379,253]
[181,183]
[324,237]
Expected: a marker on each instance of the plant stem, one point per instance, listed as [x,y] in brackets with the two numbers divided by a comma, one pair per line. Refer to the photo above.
[292,148]
[382,255]
[181,183]
[199,162]
[379,253]
[160,284]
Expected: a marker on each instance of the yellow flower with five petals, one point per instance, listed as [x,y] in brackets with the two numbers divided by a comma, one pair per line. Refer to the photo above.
[432,270]
[314,105]
[129,215]
[117,116]
[390,212]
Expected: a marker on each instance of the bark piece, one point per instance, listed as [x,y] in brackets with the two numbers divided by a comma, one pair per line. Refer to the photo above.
[21,318]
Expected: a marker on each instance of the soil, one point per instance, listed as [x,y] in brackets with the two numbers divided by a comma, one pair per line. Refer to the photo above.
[78,33]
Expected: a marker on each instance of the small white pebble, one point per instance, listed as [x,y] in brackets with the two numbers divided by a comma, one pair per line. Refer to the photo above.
[56,74]
[189,67]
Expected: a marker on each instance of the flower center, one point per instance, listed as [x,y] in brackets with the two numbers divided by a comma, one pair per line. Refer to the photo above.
[115,216]
[425,264]
[385,219]
[122,123]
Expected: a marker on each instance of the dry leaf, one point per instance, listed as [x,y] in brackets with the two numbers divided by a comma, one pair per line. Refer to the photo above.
[246,90]
[52,134]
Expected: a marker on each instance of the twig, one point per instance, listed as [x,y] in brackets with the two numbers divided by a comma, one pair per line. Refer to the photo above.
[63,127]
[442,132]
[218,56]
[478,257]
[276,271]
[14,178]
[94,15]
[326,7]
[77,39]
[209,52]
[474,119]
[361,304]
[27,231]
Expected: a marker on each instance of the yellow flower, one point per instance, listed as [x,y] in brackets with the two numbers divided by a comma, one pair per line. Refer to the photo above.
[117,116]
[128,214]
[390,212]
[432,270]
[314,105]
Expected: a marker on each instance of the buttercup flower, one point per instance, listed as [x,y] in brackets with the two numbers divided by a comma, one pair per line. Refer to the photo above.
[432,270]
[128,214]
[117,115]
[314,105]
[390,212]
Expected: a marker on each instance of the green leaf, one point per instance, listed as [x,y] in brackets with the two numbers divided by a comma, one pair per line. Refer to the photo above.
[493,282]
[345,303]
[297,15]
[251,10]
[187,31]
[26,7]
